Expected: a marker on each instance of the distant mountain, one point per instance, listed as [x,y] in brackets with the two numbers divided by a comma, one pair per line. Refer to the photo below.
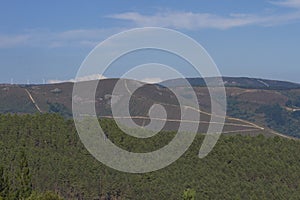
[242,82]
[255,106]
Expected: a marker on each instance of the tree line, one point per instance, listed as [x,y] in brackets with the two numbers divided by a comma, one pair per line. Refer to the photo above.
[42,152]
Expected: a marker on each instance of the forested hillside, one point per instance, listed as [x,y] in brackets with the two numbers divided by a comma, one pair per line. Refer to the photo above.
[46,148]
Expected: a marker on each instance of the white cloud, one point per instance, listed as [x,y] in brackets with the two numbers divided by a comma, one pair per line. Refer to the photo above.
[46,38]
[98,77]
[84,33]
[288,3]
[194,21]
[151,80]
[79,79]
[173,19]
[185,20]
[11,41]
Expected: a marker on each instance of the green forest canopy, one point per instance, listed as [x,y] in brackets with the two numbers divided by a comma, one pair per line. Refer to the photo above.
[239,167]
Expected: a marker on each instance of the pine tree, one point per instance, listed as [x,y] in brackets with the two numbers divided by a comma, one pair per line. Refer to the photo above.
[4,186]
[24,178]
[189,194]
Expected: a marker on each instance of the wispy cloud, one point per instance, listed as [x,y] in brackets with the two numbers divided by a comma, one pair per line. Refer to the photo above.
[195,21]
[46,38]
[186,20]
[192,21]
[79,79]
[152,80]
[287,3]
[99,77]
[11,41]
[172,19]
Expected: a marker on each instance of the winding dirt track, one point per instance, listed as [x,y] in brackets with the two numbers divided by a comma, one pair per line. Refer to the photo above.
[248,124]
[33,101]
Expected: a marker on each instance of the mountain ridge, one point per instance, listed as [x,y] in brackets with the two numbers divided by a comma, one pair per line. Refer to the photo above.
[249,102]
[243,82]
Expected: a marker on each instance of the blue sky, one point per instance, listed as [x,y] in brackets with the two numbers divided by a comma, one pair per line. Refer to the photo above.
[48,40]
